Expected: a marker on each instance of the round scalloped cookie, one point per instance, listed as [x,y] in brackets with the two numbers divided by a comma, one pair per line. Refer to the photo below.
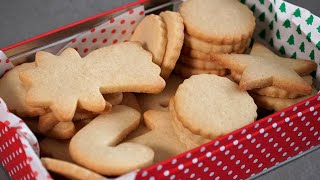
[186,71]
[151,32]
[175,29]
[196,54]
[212,106]
[216,21]
[199,63]
[206,47]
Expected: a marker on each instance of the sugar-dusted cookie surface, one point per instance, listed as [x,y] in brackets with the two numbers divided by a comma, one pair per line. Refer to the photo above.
[212,106]
[151,32]
[64,82]
[300,66]
[162,137]
[96,146]
[14,93]
[259,72]
[217,21]
[69,170]
[175,35]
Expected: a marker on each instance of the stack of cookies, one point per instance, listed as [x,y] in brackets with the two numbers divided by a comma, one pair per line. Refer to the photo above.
[213,26]
[162,35]
[274,82]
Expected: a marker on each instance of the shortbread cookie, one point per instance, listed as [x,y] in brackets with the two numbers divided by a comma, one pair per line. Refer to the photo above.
[63,82]
[175,35]
[162,137]
[278,104]
[209,105]
[114,98]
[96,145]
[63,130]
[130,100]
[14,93]
[259,72]
[186,71]
[300,66]
[69,170]
[273,91]
[48,121]
[58,149]
[196,44]
[160,101]
[195,54]
[190,139]
[151,32]
[199,64]
[216,21]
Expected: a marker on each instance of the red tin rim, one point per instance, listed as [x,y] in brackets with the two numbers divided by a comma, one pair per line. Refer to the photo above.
[74,24]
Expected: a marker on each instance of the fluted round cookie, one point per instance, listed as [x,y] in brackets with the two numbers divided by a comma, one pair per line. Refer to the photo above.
[213,106]
[193,53]
[221,22]
[207,47]
[151,32]
[175,35]
[190,139]
[199,63]
[187,71]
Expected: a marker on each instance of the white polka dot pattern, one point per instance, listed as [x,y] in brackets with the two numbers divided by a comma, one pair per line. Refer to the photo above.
[18,147]
[249,150]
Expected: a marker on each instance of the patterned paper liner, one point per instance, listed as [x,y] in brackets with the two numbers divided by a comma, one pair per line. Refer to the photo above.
[291,30]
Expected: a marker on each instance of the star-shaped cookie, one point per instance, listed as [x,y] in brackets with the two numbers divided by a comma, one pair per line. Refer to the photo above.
[64,82]
[260,72]
[300,66]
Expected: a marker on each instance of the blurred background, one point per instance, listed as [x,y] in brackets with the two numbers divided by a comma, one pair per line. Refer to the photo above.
[21,20]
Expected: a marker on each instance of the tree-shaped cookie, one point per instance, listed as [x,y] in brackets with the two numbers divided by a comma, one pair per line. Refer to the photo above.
[64,82]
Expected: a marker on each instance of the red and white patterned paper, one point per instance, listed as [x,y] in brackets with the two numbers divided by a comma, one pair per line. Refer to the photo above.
[238,155]
[116,30]
[19,148]
[249,150]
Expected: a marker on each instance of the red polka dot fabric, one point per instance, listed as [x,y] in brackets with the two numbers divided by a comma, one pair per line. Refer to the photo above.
[5,63]
[116,30]
[249,150]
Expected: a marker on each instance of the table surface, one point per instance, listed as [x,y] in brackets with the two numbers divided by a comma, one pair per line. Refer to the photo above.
[20,20]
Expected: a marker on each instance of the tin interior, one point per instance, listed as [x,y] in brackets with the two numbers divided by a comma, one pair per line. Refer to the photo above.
[55,41]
